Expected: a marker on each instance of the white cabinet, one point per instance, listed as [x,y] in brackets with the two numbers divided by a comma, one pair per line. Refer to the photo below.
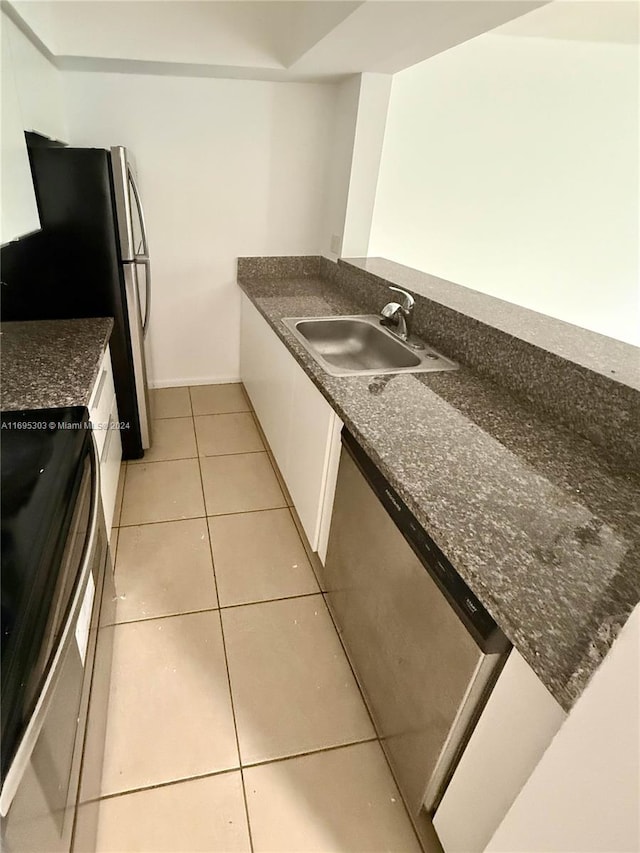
[314,429]
[266,370]
[103,414]
[517,725]
[18,200]
[302,429]
[584,793]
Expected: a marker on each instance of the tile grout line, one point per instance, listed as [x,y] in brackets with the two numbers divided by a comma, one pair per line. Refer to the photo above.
[124,485]
[306,548]
[204,501]
[211,609]
[224,648]
[235,727]
[117,527]
[272,460]
[212,515]
[226,657]
[199,456]
[237,769]
[308,752]
[157,785]
[222,414]
[162,521]
[202,415]
[271,600]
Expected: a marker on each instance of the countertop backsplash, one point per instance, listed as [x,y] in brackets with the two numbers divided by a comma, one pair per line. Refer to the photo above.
[586,381]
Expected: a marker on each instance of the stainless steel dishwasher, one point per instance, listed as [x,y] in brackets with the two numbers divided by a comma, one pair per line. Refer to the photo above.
[424,650]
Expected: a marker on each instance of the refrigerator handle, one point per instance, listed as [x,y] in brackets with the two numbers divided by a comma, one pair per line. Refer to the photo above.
[143,259]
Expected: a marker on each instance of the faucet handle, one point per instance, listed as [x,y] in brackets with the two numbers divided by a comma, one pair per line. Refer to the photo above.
[391,309]
[409,301]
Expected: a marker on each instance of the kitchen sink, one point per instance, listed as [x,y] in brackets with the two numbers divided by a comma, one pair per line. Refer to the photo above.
[360,345]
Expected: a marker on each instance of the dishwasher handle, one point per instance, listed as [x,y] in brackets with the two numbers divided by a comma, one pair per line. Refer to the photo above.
[470,610]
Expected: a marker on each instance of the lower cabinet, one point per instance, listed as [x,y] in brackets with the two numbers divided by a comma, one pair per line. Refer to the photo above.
[515,728]
[103,414]
[302,429]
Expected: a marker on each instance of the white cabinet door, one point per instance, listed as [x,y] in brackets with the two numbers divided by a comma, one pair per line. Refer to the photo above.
[301,427]
[103,414]
[266,368]
[110,467]
[101,401]
[515,728]
[312,433]
[18,200]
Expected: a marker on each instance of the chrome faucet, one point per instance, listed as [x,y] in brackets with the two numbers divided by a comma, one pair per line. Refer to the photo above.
[397,317]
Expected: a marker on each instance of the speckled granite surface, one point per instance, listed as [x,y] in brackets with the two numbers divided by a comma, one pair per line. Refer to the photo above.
[577,377]
[613,359]
[51,363]
[543,529]
[287,265]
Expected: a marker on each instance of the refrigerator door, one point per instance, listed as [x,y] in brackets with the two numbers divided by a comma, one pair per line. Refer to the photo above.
[142,250]
[131,226]
[137,346]
[134,252]
[120,166]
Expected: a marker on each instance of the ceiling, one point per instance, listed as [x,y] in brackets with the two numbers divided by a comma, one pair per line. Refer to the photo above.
[604,21]
[257,39]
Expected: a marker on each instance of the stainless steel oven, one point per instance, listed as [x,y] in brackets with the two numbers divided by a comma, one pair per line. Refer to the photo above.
[55,563]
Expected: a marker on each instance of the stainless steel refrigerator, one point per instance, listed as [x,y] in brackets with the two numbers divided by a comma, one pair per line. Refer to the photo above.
[91,259]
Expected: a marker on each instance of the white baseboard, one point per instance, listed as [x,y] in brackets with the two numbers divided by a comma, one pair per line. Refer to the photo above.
[179,383]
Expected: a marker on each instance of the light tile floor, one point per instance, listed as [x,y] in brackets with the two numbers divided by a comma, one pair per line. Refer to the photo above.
[235,722]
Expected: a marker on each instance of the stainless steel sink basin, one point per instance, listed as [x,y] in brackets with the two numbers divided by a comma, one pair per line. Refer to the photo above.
[359,345]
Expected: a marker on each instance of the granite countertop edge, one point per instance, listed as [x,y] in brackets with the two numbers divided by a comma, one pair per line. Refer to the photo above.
[565,689]
[50,364]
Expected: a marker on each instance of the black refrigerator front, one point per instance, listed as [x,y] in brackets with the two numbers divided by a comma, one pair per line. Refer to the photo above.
[75,267]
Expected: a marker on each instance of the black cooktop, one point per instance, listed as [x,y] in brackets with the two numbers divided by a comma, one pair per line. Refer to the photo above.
[42,456]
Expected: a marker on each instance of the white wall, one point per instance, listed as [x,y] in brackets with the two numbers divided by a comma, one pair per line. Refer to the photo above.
[373,102]
[39,86]
[227,168]
[510,165]
[354,162]
[18,210]
[340,158]
[31,100]
[584,795]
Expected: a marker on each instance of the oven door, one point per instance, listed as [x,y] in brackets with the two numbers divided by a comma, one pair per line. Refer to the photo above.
[39,792]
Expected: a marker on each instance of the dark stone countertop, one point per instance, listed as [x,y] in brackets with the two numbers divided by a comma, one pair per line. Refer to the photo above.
[598,353]
[542,528]
[51,363]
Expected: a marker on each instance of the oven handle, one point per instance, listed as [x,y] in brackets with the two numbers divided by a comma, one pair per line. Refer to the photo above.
[32,732]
